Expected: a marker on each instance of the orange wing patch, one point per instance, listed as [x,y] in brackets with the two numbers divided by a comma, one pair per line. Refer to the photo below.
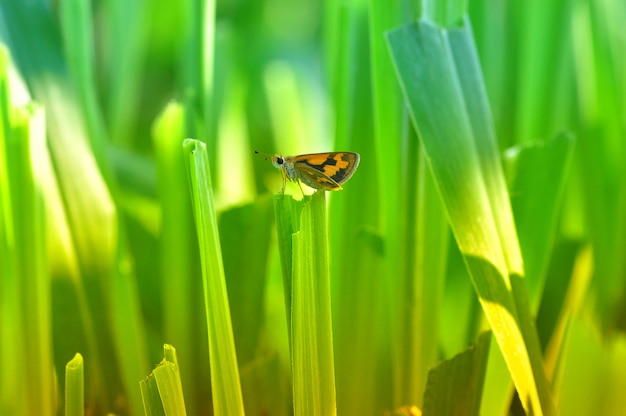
[340,164]
[315,159]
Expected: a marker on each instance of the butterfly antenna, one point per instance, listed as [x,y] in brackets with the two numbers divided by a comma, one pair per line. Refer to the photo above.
[267,155]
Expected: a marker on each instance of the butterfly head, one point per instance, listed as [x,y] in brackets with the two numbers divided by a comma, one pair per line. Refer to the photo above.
[278,161]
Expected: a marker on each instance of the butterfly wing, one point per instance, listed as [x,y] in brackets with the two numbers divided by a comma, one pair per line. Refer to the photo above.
[315,178]
[326,170]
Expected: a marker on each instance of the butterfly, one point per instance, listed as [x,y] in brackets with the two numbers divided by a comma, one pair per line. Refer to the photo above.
[325,171]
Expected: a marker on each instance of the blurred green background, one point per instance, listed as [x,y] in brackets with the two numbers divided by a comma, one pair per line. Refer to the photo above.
[490,195]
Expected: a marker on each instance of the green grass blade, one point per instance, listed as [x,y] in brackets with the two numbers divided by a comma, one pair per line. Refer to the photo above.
[471,183]
[312,344]
[170,388]
[594,376]
[598,36]
[455,386]
[377,206]
[168,381]
[124,33]
[537,176]
[77,28]
[150,395]
[128,328]
[28,152]
[75,387]
[178,259]
[198,71]
[431,244]
[226,387]
[246,256]
[27,365]
[85,201]
[542,52]
[287,211]
[444,12]
[88,203]
[459,300]
[246,280]
[569,274]
[162,390]
[356,240]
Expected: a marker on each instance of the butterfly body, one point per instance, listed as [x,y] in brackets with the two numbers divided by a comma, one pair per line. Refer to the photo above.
[325,171]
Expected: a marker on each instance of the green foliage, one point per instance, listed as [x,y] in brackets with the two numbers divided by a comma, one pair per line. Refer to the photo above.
[75,387]
[225,382]
[461,150]
[162,390]
[309,303]
[489,197]
[454,385]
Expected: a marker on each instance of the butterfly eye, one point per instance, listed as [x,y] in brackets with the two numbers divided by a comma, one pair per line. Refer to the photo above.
[280,160]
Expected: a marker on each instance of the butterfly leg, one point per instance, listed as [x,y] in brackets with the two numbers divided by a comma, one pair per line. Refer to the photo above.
[300,185]
[284,181]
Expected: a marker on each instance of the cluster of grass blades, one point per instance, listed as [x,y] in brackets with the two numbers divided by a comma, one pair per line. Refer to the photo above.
[472,265]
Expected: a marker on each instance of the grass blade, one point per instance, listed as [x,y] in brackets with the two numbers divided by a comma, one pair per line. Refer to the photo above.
[77,29]
[537,177]
[178,259]
[313,369]
[355,216]
[598,36]
[123,32]
[75,387]
[247,279]
[471,183]
[226,387]
[455,386]
[312,344]
[162,390]
[87,200]
[25,300]
[287,223]
[570,273]
[168,381]
[246,258]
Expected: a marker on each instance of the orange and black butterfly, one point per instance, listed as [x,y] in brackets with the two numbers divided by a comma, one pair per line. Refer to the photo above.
[325,171]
